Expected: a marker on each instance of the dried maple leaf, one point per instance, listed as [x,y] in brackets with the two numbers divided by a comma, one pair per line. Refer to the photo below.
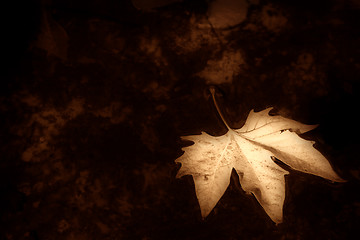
[250,150]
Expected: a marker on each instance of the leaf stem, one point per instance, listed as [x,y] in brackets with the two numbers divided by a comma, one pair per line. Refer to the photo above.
[212,90]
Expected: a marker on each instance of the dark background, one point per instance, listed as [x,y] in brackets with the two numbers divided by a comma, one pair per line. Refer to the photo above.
[96,94]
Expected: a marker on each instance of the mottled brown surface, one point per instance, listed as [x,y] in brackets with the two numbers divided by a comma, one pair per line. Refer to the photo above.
[97,93]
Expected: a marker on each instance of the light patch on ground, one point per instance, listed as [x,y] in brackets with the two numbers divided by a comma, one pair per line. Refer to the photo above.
[272,19]
[46,124]
[105,229]
[115,112]
[157,91]
[63,226]
[114,44]
[152,48]
[223,70]
[30,100]
[198,35]
[227,13]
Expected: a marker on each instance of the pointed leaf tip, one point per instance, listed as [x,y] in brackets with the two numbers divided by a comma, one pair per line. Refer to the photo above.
[267,110]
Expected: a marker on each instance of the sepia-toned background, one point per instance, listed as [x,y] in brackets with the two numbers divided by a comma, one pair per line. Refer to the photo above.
[95,96]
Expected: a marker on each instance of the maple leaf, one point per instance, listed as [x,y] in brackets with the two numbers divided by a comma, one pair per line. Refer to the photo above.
[251,150]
